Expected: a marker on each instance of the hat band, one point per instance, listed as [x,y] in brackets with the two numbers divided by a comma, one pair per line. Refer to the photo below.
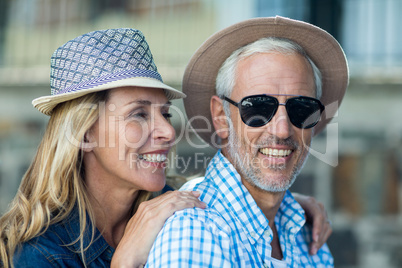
[101,80]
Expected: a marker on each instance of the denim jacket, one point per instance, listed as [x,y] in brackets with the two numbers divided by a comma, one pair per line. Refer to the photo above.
[56,247]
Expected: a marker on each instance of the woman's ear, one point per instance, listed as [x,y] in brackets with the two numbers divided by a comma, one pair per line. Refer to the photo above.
[87,143]
[219,118]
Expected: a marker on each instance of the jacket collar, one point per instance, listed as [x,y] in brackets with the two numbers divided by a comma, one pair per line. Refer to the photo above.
[71,225]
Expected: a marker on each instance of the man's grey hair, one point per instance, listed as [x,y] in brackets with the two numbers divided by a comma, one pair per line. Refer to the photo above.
[226,77]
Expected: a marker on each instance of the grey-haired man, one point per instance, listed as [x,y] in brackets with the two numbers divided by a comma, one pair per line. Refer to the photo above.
[266,82]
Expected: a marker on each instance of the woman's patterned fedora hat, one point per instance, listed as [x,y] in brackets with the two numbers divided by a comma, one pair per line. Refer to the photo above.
[98,61]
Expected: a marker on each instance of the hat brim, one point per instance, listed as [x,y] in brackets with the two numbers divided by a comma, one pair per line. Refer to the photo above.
[200,74]
[46,104]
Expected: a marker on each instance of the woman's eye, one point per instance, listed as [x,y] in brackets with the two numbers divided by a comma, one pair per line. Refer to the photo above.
[167,115]
[139,115]
[142,115]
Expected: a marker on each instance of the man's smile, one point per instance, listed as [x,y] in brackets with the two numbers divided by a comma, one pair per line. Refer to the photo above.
[275,152]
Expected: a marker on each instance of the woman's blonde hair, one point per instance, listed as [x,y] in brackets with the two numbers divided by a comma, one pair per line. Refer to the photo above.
[55,181]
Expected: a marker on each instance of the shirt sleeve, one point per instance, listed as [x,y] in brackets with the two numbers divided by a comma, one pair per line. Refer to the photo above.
[323,258]
[188,240]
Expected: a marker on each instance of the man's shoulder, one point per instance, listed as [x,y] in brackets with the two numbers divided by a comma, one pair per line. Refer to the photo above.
[194,184]
[195,235]
[209,192]
[208,218]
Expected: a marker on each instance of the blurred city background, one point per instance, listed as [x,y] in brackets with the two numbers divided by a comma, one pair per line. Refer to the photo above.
[355,170]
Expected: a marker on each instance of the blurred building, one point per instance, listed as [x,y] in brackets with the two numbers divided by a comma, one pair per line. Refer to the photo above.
[355,165]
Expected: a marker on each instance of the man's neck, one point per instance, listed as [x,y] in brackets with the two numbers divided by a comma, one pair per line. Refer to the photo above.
[268,202]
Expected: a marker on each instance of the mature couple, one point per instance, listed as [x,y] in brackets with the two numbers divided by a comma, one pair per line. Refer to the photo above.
[262,84]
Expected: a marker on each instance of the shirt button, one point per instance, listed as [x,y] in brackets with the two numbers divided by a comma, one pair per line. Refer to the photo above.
[253,234]
[266,233]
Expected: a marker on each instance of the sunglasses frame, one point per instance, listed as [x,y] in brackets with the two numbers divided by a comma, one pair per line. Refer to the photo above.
[239,106]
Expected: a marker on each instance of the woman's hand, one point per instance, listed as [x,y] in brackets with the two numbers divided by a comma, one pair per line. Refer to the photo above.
[317,216]
[144,226]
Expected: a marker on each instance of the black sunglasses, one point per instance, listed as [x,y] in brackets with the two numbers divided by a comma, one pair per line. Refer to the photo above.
[258,110]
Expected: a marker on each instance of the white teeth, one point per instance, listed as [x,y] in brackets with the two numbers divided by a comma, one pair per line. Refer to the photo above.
[153,157]
[275,152]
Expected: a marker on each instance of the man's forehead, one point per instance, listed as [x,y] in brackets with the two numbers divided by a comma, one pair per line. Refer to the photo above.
[274,73]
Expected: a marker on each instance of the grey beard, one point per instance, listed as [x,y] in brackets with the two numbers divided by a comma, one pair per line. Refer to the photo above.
[244,165]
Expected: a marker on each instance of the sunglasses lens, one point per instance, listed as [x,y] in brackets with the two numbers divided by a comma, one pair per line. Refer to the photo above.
[257,111]
[304,112]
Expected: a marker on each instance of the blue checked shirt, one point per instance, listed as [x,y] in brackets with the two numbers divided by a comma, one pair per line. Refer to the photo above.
[232,231]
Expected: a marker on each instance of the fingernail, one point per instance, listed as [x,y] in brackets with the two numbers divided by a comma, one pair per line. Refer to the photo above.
[316,237]
[196,193]
[313,250]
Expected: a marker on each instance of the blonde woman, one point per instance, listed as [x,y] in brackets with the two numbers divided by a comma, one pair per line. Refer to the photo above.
[85,199]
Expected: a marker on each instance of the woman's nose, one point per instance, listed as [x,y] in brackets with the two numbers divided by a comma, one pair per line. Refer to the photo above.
[163,129]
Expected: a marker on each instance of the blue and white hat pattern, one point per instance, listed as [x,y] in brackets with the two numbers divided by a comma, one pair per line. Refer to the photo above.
[101,60]
[101,57]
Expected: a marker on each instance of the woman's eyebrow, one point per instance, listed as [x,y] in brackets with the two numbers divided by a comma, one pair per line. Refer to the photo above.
[141,102]
[146,102]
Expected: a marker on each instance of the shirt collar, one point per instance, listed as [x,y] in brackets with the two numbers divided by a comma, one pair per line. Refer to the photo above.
[237,198]
[98,247]
[289,218]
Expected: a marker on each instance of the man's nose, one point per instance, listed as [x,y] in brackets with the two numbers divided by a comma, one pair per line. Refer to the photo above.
[280,125]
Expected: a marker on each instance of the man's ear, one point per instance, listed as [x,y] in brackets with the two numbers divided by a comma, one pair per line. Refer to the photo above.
[219,119]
